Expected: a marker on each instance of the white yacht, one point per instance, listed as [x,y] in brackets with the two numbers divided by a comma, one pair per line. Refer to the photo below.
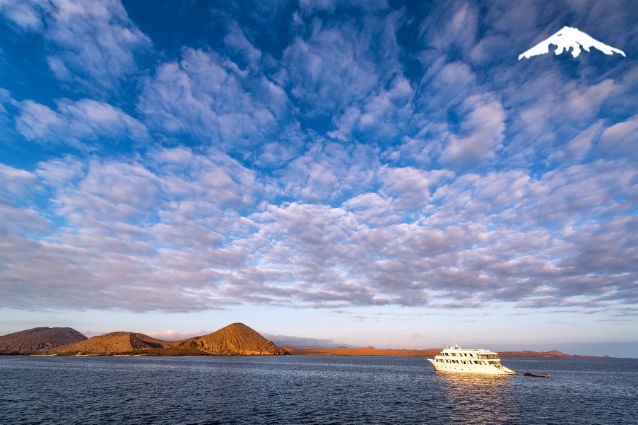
[469,360]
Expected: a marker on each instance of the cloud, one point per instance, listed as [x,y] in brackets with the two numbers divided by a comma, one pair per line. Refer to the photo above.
[455,28]
[308,7]
[210,98]
[372,209]
[236,40]
[577,192]
[619,140]
[579,146]
[337,64]
[328,170]
[15,182]
[163,233]
[60,172]
[25,15]
[92,44]
[408,187]
[80,123]
[317,155]
[482,131]
[127,229]
[377,116]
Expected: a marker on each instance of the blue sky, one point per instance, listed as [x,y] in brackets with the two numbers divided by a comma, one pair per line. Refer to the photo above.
[378,173]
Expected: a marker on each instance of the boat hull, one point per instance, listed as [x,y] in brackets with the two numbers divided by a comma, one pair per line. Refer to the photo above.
[472,369]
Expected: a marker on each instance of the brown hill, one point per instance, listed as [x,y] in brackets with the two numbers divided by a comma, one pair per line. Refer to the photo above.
[116,343]
[37,340]
[232,340]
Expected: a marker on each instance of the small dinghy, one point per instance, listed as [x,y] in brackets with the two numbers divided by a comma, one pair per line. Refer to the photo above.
[537,374]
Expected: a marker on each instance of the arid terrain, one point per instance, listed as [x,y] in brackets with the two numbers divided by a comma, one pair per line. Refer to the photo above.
[428,352]
[236,339]
[38,340]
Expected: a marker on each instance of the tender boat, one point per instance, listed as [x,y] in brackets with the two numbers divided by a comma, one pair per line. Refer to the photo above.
[469,360]
[537,374]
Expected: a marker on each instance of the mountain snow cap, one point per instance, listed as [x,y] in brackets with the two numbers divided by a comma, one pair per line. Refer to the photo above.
[569,38]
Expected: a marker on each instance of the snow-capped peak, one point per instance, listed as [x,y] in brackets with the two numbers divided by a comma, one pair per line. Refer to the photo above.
[569,38]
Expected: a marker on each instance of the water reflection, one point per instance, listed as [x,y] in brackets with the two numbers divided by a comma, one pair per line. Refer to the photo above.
[479,399]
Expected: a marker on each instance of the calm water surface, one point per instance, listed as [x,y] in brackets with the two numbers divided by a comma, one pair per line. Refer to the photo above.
[304,390]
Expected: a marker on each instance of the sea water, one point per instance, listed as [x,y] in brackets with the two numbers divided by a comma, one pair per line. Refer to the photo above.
[310,390]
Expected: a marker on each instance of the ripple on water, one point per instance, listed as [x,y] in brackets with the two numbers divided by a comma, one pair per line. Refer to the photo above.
[304,390]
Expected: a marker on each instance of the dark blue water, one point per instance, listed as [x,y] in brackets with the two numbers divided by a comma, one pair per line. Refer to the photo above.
[299,390]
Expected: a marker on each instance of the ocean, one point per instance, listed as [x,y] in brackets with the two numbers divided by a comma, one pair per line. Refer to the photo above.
[310,390]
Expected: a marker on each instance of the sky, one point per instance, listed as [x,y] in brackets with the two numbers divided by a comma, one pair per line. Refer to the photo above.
[363,172]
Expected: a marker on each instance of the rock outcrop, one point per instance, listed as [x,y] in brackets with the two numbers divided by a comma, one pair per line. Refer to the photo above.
[37,340]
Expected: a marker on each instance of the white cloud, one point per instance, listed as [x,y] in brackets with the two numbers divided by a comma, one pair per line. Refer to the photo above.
[316,178]
[455,27]
[579,146]
[14,181]
[211,98]
[25,15]
[379,116]
[91,43]
[328,171]
[482,132]
[79,123]
[236,39]
[336,65]
[620,140]
[372,208]
[60,172]
[408,187]
[169,235]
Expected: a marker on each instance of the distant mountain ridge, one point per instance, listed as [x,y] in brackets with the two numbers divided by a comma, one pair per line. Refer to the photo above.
[427,352]
[38,340]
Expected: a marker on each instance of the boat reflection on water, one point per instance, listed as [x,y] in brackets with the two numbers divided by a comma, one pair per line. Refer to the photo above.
[479,399]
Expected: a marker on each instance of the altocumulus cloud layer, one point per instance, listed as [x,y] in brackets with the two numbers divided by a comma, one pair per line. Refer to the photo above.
[316,154]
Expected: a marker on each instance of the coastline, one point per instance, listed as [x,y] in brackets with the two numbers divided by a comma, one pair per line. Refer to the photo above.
[428,352]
